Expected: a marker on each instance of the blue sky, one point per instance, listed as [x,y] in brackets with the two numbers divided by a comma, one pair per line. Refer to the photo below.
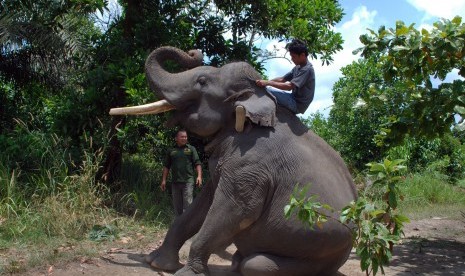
[361,15]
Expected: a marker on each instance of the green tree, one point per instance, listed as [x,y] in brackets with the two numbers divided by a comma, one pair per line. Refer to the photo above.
[356,123]
[45,46]
[40,40]
[413,60]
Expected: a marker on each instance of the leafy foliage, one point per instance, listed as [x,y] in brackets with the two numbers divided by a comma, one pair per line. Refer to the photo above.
[444,155]
[100,233]
[41,39]
[309,20]
[411,58]
[355,122]
[307,208]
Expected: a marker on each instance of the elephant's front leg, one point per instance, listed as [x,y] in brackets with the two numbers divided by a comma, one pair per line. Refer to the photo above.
[230,213]
[184,227]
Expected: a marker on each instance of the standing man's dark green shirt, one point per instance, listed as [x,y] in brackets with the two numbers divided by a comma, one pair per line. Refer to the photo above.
[181,160]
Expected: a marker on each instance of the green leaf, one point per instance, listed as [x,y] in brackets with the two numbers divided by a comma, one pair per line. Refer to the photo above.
[377,167]
[457,20]
[375,266]
[462,99]
[397,162]
[400,48]
[401,218]
[294,201]
[392,200]
[287,210]
[396,178]
[364,263]
[376,213]
[459,109]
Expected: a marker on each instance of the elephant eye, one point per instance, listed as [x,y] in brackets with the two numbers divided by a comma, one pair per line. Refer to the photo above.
[202,80]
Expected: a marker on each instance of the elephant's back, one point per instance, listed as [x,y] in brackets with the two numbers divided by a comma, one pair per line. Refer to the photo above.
[315,163]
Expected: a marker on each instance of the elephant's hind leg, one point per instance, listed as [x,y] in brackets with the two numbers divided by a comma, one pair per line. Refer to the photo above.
[270,265]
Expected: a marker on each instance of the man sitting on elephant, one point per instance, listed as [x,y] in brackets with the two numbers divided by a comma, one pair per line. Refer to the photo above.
[301,80]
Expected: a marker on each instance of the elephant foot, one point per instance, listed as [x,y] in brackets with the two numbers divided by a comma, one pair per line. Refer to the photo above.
[150,257]
[236,261]
[189,271]
[162,261]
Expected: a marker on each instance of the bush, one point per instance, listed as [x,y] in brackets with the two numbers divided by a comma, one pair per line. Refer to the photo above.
[445,155]
[140,194]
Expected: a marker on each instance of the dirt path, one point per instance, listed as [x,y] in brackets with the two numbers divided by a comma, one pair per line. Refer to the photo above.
[431,247]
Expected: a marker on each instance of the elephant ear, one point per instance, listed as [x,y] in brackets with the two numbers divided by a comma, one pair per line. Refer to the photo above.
[260,108]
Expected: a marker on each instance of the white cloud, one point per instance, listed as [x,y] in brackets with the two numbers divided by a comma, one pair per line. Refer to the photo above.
[441,9]
[326,76]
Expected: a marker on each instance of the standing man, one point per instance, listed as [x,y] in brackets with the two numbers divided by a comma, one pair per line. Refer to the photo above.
[181,160]
[301,80]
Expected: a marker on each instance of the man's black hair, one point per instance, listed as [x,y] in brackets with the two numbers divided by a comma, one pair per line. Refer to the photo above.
[297,46]
[179,130]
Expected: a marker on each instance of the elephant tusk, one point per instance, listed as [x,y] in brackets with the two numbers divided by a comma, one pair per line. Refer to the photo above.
[151,108]
[240,118]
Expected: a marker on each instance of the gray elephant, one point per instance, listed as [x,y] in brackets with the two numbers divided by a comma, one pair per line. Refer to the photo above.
[253,174]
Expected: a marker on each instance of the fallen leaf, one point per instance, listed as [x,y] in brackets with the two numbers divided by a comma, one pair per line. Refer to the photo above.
[114,250]
[125,240]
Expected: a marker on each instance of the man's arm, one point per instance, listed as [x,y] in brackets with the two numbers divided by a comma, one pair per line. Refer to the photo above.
[198,168]
[163,178]
[279,79]
[277,84]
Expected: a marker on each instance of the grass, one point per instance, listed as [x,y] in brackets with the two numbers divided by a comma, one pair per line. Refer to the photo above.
[65,225]
[140,179]
[430,195]
[49,215]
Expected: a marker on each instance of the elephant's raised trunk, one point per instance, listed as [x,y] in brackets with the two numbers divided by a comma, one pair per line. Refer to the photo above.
[160,79]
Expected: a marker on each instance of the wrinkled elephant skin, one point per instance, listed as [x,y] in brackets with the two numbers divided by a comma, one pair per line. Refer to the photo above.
[253,175]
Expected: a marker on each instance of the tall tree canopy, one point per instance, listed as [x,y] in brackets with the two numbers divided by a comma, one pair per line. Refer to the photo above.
[58,67]
[246,21]
[40,39]
[414,60]
[356,125]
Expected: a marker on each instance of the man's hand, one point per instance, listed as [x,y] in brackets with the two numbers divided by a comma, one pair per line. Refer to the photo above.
[199,181]
[261,83]
[163,186]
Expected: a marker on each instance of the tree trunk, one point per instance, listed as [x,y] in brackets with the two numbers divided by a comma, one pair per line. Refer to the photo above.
[112,164]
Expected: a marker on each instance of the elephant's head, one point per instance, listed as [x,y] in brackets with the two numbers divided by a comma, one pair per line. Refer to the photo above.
[204,97]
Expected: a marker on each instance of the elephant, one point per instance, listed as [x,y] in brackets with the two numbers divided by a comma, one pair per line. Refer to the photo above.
[253,171]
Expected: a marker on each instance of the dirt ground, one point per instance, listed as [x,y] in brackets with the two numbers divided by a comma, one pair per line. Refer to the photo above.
[433,246]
